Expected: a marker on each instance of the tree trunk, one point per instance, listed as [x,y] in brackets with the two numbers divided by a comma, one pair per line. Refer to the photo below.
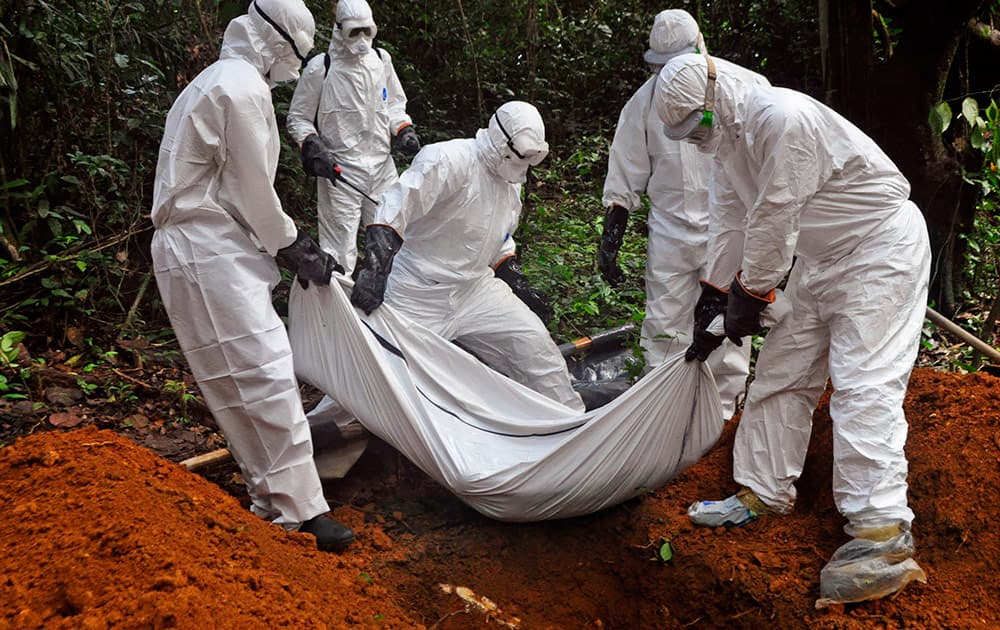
[846,54]
[906,87]
[891,101]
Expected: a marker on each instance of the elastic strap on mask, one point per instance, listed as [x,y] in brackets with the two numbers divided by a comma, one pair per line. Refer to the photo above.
[510,140]
[534,159]
[281,31]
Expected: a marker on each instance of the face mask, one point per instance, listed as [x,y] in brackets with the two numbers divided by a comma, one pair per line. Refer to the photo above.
[284,70]
[513,170]
[359,45]
[710,144]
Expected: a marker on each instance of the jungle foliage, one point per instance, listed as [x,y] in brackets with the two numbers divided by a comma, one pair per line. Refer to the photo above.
[85,87]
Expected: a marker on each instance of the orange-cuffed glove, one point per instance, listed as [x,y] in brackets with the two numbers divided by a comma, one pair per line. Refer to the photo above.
[743,311]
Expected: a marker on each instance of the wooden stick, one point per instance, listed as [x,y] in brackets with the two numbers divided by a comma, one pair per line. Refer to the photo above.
[963,335]
[207,459]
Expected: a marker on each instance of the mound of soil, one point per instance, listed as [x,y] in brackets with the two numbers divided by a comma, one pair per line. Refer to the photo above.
[98,532]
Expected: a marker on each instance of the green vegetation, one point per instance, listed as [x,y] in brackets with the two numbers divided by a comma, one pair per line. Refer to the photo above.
[84,92]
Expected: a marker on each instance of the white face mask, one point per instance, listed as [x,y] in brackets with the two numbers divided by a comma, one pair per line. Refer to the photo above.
[359,45]
[710,143]
[513,170]
[284,70]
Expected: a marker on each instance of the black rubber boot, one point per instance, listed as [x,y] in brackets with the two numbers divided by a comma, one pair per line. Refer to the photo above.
[330,535]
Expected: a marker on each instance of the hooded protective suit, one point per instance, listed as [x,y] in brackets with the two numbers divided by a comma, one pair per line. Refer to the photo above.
[793,178]
[214,208]
[674,175]
[457,208]
[357,107]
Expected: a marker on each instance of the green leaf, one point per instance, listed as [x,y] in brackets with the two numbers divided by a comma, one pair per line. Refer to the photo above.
[976,139]
[940,117]
[8,344]
[970,110]
[81,226]
[666,551]
[992,110]
[14,183]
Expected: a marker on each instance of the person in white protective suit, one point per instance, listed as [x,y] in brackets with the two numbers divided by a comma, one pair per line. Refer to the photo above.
[219,230]
[445,231]
[347,108]
[792,178]
[675,177]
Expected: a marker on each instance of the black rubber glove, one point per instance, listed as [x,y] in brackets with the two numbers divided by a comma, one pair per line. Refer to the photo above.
[381,244]
[743,311]
[510,272]
[711,303]
[407,141]
[611,241]
[305,259]
[318,159]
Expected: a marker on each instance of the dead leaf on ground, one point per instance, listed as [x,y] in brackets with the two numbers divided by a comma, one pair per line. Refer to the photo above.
[134,344]
[65,396]
[65,419]
[27,408]
[138,420]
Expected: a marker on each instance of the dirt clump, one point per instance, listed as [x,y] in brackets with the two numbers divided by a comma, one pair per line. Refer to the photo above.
[99,533]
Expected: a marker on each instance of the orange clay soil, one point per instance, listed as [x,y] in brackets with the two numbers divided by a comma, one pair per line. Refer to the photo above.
[96,532]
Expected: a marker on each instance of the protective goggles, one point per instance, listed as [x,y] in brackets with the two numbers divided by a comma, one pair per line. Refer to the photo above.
[357,32]
[284,34]
[532,157]
[697,126]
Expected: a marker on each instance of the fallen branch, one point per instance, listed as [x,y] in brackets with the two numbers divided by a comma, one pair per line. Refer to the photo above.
[963,335]
[71,254]
[207,459]
[140,294]
[134,380]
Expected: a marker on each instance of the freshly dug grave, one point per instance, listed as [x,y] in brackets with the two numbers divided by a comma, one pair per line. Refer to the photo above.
[97,532]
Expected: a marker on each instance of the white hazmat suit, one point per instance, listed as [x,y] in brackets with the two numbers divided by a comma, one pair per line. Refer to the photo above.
[792,178]
[214,209]
[456,210]
[675,177]
[357,106]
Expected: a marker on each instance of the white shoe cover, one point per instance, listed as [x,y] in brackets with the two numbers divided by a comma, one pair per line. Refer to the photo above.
[730,512]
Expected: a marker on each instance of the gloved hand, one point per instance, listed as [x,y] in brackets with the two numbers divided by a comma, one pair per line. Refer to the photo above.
[318,159]
[510,272]
[305,259]
[743,311]
[711,302]
[407,142]
[381,244]
[611,241]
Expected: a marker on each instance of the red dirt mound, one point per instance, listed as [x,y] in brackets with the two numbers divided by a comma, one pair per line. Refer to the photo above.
[99,533]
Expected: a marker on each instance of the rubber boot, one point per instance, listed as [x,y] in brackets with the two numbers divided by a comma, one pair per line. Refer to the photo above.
[330,535]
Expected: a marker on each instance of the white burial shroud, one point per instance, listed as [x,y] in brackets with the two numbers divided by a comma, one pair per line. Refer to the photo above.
[505,450]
